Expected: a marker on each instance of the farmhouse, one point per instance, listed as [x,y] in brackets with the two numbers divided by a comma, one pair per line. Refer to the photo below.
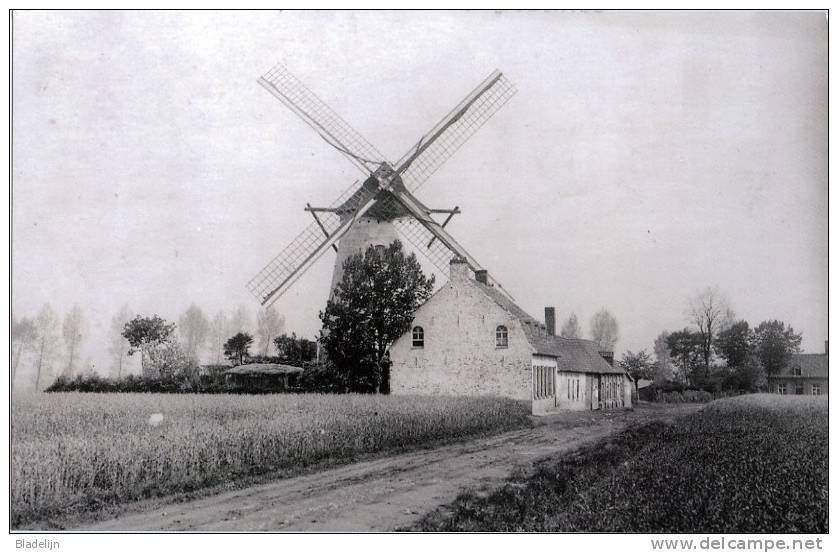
[469,338]
[806,374]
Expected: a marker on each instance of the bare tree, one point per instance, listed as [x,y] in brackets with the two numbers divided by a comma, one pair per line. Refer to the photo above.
[240,321]
[24,337]
[73,332]
[118,344]
[269,325]
[218,336]
[570,329]
[604,330]
[663,361]
[89,366]
[709,310]
[47,324]
[193,328]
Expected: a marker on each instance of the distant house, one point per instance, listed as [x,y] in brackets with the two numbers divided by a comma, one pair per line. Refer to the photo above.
[469,338]
[806,374]
[263,377]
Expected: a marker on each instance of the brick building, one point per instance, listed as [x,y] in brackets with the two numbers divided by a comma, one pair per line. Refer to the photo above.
[471,339]
[806,374]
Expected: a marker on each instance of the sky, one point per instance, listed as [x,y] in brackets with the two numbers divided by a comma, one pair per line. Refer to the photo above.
[645,156]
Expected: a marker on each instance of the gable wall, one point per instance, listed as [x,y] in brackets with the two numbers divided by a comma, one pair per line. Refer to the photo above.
[459,356]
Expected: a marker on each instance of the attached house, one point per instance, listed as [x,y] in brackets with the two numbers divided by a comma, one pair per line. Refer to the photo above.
[806,374]
[469,338]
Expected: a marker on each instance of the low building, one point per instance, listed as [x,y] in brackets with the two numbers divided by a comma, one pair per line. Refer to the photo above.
[469,338]
[806,374]
[263,378]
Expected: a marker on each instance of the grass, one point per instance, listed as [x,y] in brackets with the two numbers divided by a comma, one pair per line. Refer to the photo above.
[749,464]
[83,453]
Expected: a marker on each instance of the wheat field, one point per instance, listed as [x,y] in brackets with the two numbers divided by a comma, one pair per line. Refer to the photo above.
[77,452]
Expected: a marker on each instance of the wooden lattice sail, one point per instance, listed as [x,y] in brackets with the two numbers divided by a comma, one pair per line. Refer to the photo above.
[385,193]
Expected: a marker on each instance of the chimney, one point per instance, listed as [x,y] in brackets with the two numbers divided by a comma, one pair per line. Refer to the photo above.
[550,320]
[459,270]
[482,276]
[608,356]
[826,347]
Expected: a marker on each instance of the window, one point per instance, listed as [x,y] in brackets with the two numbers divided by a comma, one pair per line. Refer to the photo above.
[781,389]
[418,337]
[501,337]
[543,382]
[573,389]
[816,389]
[795,371]
[798,389]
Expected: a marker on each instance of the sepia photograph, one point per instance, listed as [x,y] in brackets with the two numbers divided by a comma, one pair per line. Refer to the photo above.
[423,271]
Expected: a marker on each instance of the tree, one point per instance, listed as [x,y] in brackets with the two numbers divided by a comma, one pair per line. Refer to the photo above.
[237,347]
[735,343]
[171,360]
[145,334]
[372,305]
[24,337]
[240,321]
[269,324]
[685,349]
[73,332]
[663,360]
[295,350]
[47,327]
[570,329]
[193,327]
[604,330]
[775,345]
[119,346]
[637,365]
[709,310]
[748,376]
[217,335]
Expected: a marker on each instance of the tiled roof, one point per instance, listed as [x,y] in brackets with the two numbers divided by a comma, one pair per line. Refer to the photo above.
[811,365]
[503,300]
[576,355]
[571,355]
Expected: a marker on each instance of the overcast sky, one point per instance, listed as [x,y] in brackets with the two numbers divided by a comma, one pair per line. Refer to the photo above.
[645,156]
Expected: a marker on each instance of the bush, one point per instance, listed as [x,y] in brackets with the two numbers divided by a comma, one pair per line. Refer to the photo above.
[322,378]
[675,392]
[697,396]
[209,379]
[671,397]
[136,384]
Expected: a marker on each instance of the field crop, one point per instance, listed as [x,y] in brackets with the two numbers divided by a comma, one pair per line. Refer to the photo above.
[750,464]
[82,452]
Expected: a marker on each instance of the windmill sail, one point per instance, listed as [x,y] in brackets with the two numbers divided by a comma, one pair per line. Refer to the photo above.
[436,243]
[319,116]
[391,201]
[290,264]
[447,136]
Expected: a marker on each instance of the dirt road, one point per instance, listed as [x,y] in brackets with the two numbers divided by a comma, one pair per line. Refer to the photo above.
[385,493]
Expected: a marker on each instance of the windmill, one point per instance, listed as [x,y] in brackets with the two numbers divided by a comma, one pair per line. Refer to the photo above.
[382,205]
